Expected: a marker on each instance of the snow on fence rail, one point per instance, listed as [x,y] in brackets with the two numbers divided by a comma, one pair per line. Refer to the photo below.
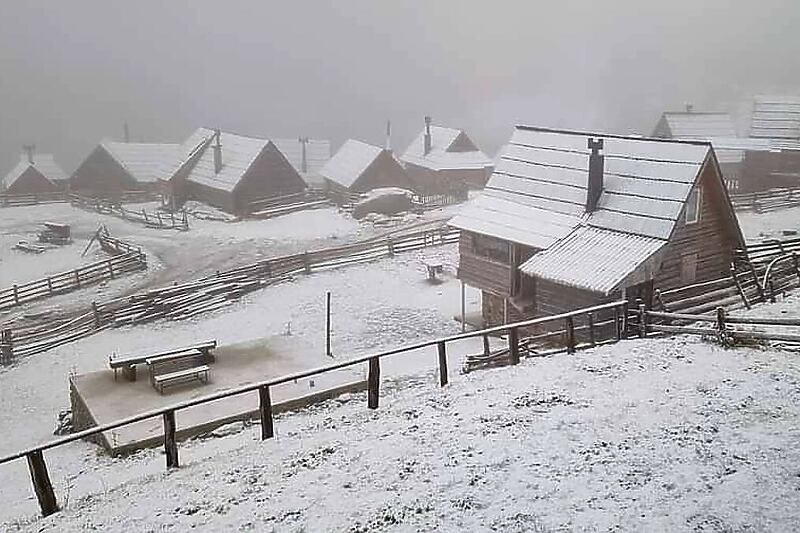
[43,487]
[16,200]
[56,284]
[154,219]
[210,293]
[768,200]
[275,206]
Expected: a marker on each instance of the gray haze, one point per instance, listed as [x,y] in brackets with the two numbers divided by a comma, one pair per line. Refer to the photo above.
[72,72]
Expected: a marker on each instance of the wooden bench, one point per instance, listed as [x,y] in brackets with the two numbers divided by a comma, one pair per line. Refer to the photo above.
[127,363]
[433,269]
[187,375]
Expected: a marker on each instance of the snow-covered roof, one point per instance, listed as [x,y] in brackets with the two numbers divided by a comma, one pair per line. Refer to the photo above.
[701,126]
[537,196]
[44,163]
[350,162]
[238,154]
[318,152]
[143,161]
[732,149]
[776,117]
[597,260]
[451,149]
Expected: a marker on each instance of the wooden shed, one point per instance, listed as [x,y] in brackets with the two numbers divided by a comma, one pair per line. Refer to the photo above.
[572,219]
[122,166]
[445,161]
[34,174]
[361,167]
[229,171]
[307,156]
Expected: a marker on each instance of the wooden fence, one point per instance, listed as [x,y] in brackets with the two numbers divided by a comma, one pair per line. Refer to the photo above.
[768,200]
[275,206]
[38,470]
[152,219]
[91,274]
[210,293]
[16,200]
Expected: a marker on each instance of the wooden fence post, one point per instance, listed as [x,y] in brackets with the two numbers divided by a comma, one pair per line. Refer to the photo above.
[513,345]
[617,325]
[170,446]
[442,348]
[590,318]
[642,320]
[721,319]
[625,316]
[49,285]
[373,382]
[390,245]
[77,278]
[739,286]
[16,294]
[6,346]
[41,483]
[570,327]
[265,408]
[771,290]
[96,314]
[110,269]
[306,263]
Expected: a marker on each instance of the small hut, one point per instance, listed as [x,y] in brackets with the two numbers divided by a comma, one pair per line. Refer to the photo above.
[573,219]
[34,174]
[121,166]
[229,171]
[307,156]
[359,167]
[445,161]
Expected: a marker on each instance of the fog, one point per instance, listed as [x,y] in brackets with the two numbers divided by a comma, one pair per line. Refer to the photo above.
[74,72]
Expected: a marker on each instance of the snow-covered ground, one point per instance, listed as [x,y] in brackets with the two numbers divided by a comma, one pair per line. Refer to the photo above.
[668,434]
[757,226]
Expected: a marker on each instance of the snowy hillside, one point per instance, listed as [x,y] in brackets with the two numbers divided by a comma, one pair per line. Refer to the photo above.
[665,434]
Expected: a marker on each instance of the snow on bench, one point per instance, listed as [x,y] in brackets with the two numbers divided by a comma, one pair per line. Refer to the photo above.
[199,373]
[127,363]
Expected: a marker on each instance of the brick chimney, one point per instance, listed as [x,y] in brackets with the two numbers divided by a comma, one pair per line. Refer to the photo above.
[217,152]
[595,185]
[427,148]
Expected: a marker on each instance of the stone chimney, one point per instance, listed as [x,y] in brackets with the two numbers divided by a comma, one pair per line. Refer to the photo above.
[427,148]
[388,135]
[689,108]
[304,158]
[217,152]
[595,185]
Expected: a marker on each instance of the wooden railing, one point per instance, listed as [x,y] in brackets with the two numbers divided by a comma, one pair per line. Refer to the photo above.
[768,200]
[43,487]
[72,280]
[151,219]
[15,200]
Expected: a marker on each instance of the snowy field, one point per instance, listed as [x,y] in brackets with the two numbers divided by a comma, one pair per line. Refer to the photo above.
[666,434]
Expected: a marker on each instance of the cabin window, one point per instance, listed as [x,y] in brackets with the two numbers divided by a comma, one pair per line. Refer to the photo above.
[689,268]
[491,248]
[693,206]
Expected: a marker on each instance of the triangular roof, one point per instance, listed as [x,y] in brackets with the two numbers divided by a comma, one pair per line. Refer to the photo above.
[451,149]
[144,162]
[45,164]
[537,195]
[350,161]
[238,155]
[694,125]
[318,152]
[776,117]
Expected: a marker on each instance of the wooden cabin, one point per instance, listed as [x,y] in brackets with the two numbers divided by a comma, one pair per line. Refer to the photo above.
[573,219]
[704,126]
[759,164]
[359,167]
[229,171]
[307,156]
[775,120]
[34,174]
[122,166]
[445,161]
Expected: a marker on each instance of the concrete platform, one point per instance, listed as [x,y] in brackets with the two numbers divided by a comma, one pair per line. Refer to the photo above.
[98,399]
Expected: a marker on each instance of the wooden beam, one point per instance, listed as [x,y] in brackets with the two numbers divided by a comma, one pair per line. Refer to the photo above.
[513,345]
[170,445]
[442,349]
[265,409]
[373,382]
[41,483]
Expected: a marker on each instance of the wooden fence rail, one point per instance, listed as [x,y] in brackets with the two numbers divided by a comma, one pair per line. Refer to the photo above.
[34,455]
[213,292]
[72,280]
[151,219]
[768,200]
[18,200]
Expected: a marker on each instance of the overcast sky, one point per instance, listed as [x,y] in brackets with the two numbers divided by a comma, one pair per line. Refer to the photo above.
[72,72]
